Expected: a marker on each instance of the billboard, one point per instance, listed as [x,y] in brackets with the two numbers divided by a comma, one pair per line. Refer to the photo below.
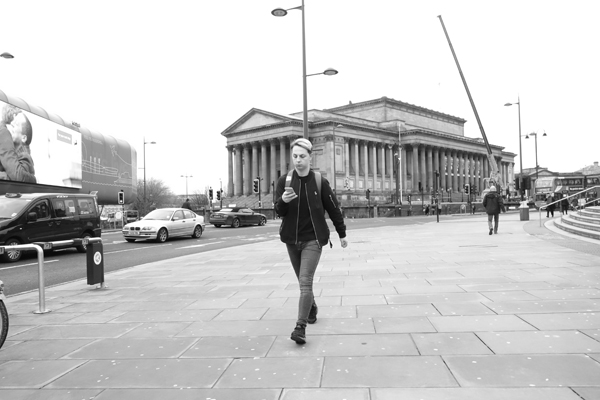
[36,150]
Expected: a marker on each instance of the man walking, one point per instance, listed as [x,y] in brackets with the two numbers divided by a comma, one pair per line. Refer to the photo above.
[493,204]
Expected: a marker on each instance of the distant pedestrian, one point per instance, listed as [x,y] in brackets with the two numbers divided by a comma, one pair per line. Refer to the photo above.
[427,210]
[493,204]
[564,203]
[550,207]
[186,204]
[302,199]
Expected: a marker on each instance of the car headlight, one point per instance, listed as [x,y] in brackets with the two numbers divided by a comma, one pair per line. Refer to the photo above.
[148,228]
[126,228]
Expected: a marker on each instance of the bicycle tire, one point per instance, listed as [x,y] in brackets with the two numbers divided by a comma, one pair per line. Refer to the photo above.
[3,323]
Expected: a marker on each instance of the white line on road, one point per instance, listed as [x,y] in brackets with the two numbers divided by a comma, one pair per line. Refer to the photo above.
[137,248]
[197,245]
[27,265]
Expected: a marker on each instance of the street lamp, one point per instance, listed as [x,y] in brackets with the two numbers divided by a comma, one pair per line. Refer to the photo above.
[536,158]
[334,170]
[398,163]
[145,143]
[186,185]
[280,12]
[518,103]
[7,55]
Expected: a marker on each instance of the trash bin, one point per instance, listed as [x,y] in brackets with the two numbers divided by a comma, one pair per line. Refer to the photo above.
[95,263]
[524,211]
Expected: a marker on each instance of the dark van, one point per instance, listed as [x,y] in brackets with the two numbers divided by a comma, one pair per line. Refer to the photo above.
[46,217]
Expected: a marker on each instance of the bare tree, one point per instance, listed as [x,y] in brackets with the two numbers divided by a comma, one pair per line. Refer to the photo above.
[198,200]
[158,195]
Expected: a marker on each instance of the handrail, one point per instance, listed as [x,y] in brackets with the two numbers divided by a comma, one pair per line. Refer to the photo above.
[567,197]
[40,255]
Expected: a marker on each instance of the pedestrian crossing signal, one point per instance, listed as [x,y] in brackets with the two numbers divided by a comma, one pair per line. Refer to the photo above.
[256,186]
[121,197]
[218,195]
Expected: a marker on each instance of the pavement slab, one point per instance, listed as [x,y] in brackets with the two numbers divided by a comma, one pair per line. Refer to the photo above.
[42,349]
[480,323]
[450,343]
[18,374]
[190,394]
[325,394]
[49,394]
[474,394]
[132,348]
[82,331]
[588,393]
[540,342]
[230,347]
[556,321]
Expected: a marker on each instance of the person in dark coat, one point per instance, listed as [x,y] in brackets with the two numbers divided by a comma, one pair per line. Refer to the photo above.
[564,203]
[186,204]
[493,204]
[550,208]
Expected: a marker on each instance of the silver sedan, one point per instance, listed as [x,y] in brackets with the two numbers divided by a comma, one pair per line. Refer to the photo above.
[163,223]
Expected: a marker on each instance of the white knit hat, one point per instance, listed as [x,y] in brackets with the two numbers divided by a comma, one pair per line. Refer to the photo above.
[492,188]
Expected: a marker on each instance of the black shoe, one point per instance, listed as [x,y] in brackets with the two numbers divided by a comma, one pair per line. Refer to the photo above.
[299,335]
[491,230]
[312,315]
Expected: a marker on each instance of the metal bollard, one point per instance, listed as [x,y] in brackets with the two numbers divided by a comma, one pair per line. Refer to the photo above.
[95,262]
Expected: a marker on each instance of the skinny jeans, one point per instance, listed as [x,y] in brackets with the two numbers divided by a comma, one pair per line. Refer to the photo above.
[495,217]
[305,258]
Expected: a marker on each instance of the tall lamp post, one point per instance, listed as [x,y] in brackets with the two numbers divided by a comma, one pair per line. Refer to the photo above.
[281,12]
[536,158]
[145,143]
[518,103]
[398,163]
[334,169]
[186,183]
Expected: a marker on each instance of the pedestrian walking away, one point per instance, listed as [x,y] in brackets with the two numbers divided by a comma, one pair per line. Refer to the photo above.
[549,207]
[565,205]
[186,204]
[493,204]
[303,196]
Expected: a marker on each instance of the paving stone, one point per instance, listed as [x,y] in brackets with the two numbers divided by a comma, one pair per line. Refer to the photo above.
[435,298]
[473,394]
[168,316]
[190,394]
[524,370]
[391,311]
[325,394]
[297,372]
[131,348]
[157,330]
[540,342]
[593,333]
[290,313]
[345,345]
[463,309]
[235,328]
[49,394]
[330,326]
[426,288]
[96,317]
[41,319]
[146,373]
[564,294]
[18,374]
[545,306]
[449,343]
[559,321]
[401,371]
[509,295]
[480,323]
[588,393]
[216,303]
[230,347]
[363,300]
[246,314]
[403,325]
[152,305]
[501,287]
[41,349]
[83,331]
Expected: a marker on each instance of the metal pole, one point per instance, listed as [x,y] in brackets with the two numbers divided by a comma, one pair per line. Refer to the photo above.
[221,195]
[305,102]
[520,152]
[397,164]
[334,170]
[536,165]
[144,174]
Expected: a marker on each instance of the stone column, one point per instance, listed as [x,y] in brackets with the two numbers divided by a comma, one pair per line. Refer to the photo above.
[283,167]
[330,149]
[415,168]
[448,155]
[374,164]
[429,169]
[391,165]
[423,168]
[455,163]
[273,176]
[356,165]
[404,162]
[230,170]
[255,170]
[436,166]
[346,158]
[365,158]
[461,170]
[482,159]
[264,174]
[380,147]
[247,179]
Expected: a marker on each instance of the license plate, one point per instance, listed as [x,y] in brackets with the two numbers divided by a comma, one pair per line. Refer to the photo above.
[135,233]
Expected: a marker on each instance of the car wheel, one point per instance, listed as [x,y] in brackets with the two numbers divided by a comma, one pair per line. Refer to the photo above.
[197,232]
[83,247]
[130,240]
[235,223]
[262,222]
[162,235]
[217,225]
[3,323]
[12,255]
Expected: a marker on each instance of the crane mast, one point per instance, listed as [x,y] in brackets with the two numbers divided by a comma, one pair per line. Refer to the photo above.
[495,177]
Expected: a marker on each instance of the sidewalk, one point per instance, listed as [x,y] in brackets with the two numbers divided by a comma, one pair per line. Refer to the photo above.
[432,311]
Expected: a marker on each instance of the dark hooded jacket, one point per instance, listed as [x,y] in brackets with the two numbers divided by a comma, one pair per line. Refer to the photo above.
[493,203]
[318,203]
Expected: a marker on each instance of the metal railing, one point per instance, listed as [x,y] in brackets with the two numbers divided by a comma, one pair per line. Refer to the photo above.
[568,197]
[39,247]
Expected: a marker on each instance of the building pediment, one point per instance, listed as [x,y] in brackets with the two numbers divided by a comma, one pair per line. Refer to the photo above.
[256,118]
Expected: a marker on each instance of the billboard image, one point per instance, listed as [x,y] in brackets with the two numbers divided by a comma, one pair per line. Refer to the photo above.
[36,150]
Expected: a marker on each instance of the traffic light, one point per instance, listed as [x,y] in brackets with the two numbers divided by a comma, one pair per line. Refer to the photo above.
[121,197]
[420,187]
[517,184]
[368,194]
[467,188]
[256,187]
[210,193]
[218,195]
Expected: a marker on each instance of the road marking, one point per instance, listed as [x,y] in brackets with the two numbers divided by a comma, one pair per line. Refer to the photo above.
[137,248]
[27,265]
[197,245]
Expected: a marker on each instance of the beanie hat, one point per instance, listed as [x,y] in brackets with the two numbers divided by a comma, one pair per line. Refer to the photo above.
[304,143]
[492,188]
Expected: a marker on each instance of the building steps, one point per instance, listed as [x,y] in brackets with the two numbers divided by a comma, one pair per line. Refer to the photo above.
[585,223]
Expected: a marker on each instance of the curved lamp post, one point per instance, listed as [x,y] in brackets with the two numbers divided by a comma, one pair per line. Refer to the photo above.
[145,143]
[186,183]
[281,12]
[536,158]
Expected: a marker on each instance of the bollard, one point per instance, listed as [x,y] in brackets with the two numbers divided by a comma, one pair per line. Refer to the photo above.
[95,261]
[524,211]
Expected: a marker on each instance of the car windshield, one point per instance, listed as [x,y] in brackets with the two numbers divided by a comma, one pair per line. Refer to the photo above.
[226,210]
[164,215]
[11,207]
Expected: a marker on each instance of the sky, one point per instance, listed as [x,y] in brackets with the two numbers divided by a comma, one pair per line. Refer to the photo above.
[180,72]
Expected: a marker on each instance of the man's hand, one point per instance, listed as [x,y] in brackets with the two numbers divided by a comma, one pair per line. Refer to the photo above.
[344,242]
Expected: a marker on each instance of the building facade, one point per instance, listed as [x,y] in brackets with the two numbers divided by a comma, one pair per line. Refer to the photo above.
[364,146]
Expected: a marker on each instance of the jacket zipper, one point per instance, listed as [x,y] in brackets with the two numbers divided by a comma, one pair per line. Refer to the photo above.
[311,218]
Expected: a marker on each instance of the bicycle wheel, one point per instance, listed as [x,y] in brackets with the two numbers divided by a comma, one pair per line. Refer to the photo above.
[3,323]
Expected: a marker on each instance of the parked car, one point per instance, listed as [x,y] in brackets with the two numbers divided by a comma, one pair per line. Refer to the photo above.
[3,316]
[46,217]
[163,223]
[236,217]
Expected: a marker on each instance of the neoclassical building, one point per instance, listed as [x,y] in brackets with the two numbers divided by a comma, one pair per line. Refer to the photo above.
[355,146]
